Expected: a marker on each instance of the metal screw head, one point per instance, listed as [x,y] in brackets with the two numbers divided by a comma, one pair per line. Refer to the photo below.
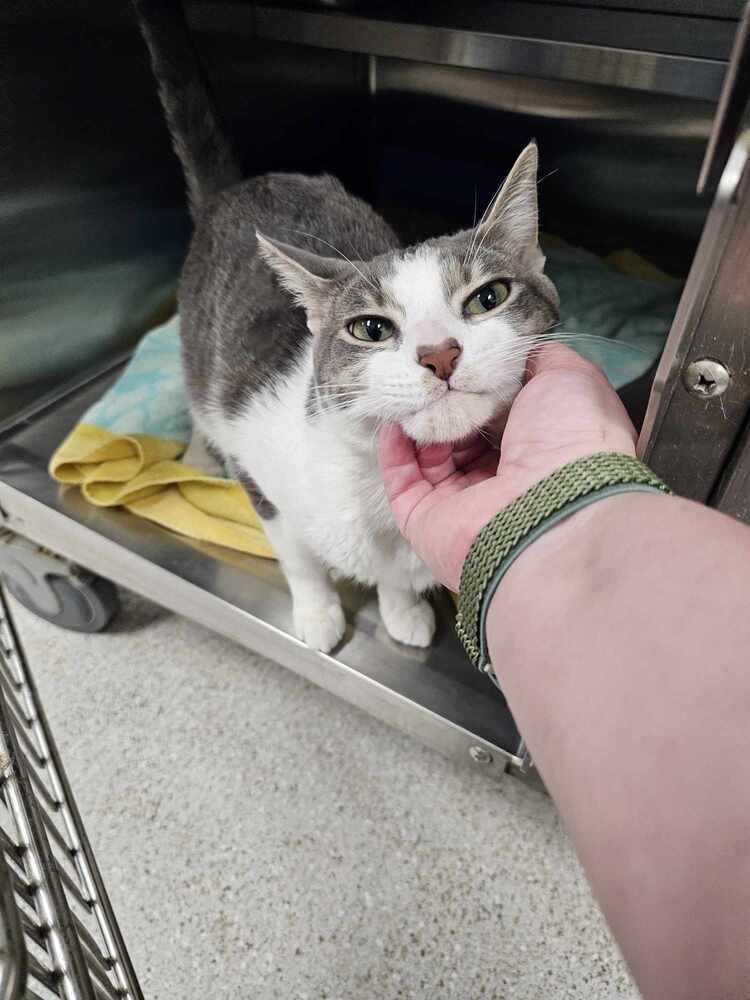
[706,378]
[480,756]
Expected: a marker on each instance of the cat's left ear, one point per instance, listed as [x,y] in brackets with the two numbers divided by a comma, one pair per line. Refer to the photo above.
[514,214]
[306,275]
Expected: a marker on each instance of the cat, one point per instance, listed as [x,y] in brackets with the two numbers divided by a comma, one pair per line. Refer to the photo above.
[305,326]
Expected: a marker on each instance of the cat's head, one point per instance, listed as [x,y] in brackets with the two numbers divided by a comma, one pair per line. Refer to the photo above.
[436,336]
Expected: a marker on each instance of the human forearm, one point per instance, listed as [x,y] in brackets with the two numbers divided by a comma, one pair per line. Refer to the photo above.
[620,639]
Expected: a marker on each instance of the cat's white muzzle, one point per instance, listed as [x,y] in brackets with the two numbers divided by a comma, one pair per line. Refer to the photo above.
[453,416]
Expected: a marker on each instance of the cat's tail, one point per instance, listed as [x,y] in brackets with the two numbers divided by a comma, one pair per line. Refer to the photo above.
[206,155]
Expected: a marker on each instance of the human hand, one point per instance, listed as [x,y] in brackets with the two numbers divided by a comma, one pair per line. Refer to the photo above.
[443,494]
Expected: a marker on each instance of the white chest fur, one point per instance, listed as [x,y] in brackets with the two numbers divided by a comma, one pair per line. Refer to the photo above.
[322,475]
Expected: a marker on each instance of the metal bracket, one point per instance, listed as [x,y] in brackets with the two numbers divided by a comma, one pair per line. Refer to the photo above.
[701,394]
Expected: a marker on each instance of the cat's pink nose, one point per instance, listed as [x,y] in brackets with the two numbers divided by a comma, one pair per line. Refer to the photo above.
[440,360]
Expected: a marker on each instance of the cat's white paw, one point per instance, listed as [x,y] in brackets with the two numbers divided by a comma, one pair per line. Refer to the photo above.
[319,625]
[412,623]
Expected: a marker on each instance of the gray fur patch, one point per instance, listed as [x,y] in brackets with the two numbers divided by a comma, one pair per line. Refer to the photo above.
[261,504]
[534,307]
[338,365]
[531,311]
[215,453]
[241,331]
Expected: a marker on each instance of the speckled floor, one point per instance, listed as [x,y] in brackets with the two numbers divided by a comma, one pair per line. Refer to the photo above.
[261,839]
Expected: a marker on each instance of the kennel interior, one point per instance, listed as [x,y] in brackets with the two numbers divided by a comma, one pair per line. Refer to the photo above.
[421,109]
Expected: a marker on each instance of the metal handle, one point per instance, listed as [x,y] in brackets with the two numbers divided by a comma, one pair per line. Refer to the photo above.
[734,97]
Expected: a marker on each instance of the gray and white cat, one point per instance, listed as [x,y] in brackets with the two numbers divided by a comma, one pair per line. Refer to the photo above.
[306,326]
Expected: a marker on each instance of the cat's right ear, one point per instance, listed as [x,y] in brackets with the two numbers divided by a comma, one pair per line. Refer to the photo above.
[513,216]
[305,275]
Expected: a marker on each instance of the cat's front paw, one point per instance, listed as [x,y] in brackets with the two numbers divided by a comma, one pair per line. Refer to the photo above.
[320,625]
[411,622]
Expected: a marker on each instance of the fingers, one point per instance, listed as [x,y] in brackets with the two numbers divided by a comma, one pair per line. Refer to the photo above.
[482,466]
[436,462]
[411,474]
[467,451]
[398,461]
[405,484]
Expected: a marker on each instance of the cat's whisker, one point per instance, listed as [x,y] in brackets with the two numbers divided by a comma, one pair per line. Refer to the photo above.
[569,337]
[337,406]
[545,176]
[486,233]
[341,254]
[337,385]
[475,230]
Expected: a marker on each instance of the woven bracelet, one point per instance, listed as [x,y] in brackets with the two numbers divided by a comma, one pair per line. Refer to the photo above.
[514,528]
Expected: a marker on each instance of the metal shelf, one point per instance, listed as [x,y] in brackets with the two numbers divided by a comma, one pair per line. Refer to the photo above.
[433,694]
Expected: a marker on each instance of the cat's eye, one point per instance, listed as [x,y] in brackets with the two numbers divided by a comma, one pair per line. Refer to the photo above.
[371,328]
[487,298]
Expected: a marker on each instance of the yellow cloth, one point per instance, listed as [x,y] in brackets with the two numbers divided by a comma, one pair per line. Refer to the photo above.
[141,473]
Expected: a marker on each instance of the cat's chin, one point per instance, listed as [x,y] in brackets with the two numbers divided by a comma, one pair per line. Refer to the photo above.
[452,417]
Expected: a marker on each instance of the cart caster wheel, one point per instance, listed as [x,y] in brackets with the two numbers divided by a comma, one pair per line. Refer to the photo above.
[87,604]
[54,588]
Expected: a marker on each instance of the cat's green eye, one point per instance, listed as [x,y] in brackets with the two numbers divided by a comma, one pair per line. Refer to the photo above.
[371,328]
[487,298]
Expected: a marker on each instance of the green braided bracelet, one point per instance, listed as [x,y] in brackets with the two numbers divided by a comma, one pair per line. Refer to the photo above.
[514,528]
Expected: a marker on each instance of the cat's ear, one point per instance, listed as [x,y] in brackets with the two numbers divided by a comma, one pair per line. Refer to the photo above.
[306,275]
[514,214]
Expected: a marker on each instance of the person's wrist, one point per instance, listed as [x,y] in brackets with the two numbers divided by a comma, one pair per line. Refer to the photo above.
[520,473]
[513,480]
[575,486]
[565,567]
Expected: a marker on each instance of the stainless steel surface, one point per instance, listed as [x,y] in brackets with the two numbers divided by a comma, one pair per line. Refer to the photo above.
[686,76]
[686,438]
[706,378]
[733,492]
[729,9]
[610,110]
[13,966]
[434,694]
[732,104]
[708,36]
[92,224]
[70,945]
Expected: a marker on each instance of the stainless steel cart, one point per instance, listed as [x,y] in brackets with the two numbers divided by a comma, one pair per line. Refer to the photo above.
[623,98]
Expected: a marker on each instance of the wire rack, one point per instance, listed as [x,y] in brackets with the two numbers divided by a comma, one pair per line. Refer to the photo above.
[58,934]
